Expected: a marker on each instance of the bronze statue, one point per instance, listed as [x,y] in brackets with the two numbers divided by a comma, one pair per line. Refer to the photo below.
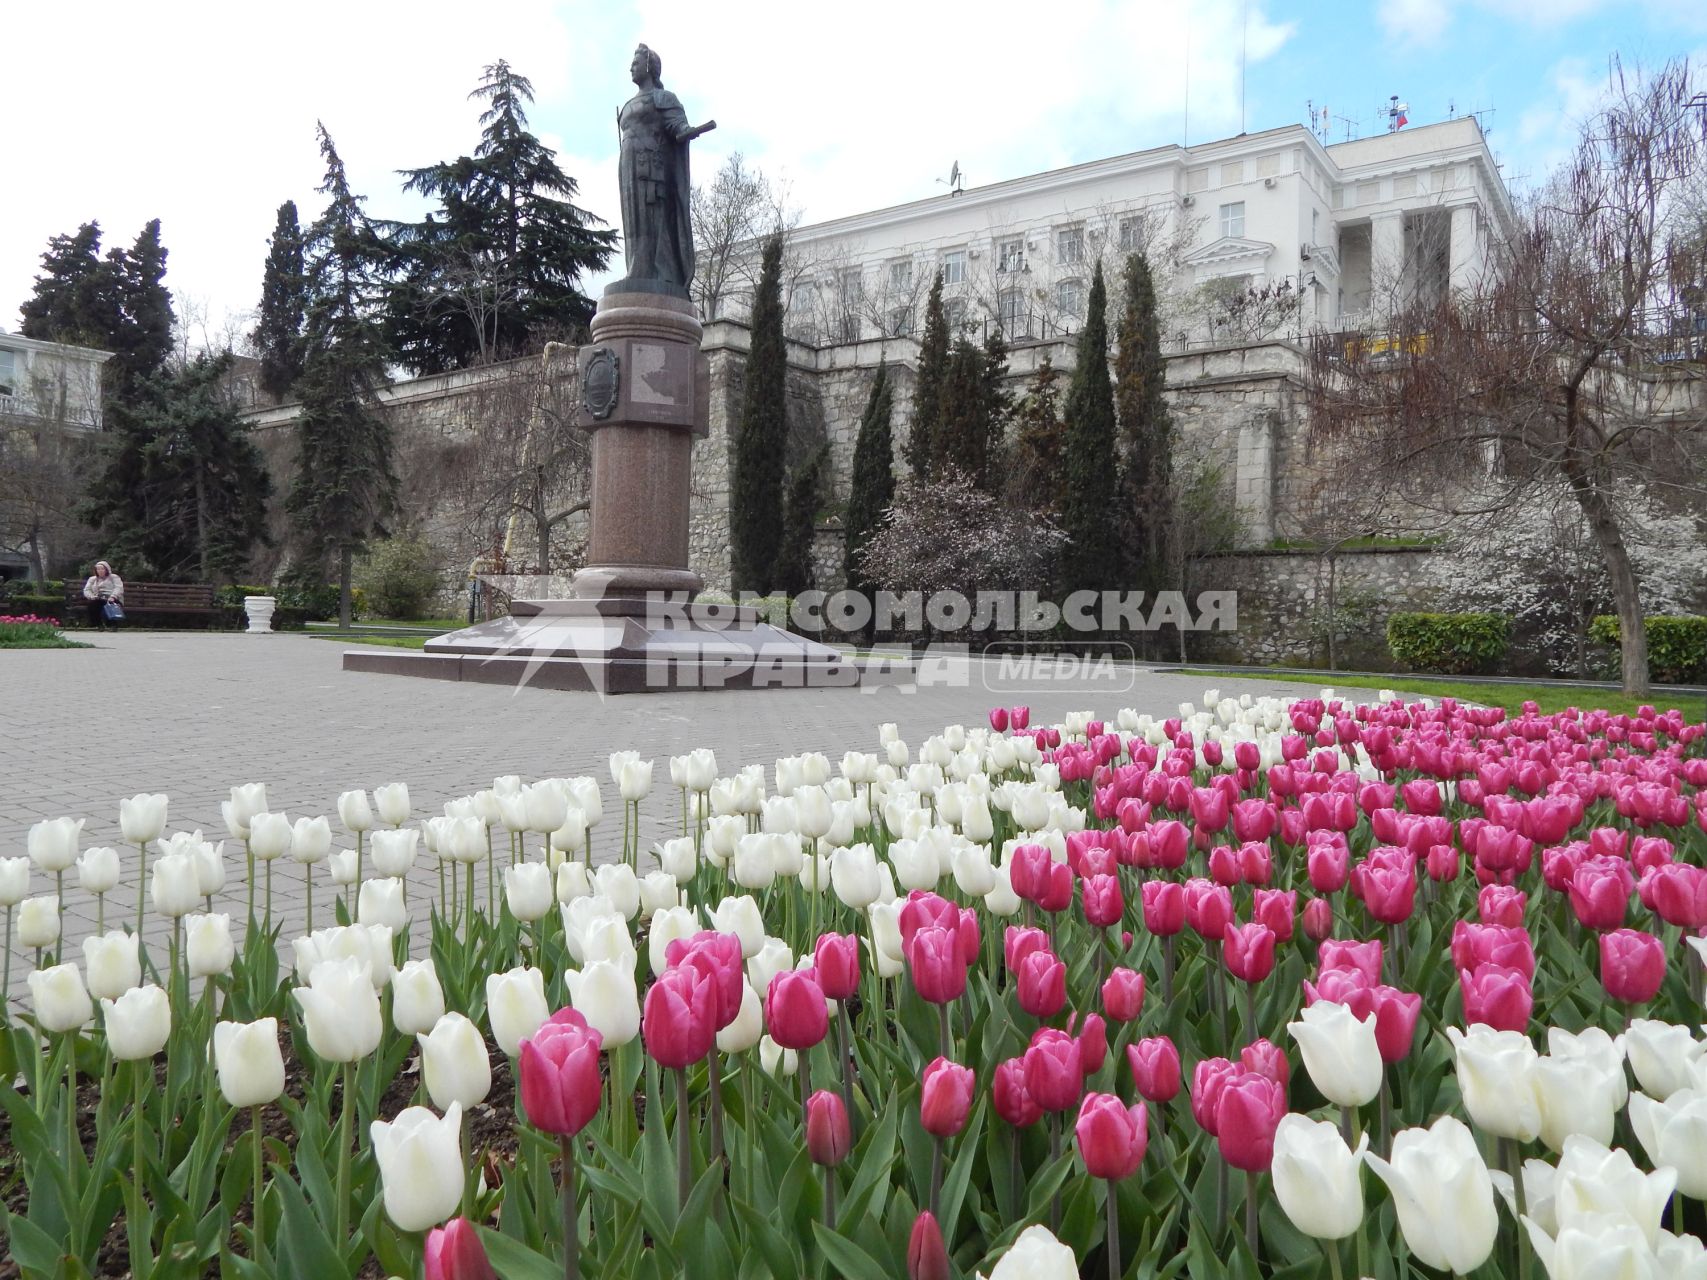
[657,223]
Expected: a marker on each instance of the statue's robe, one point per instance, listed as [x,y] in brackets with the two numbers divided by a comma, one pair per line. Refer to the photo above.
[657,221]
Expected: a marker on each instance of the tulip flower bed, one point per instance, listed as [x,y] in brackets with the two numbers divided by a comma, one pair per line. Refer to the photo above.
[27,631]
[1289,989]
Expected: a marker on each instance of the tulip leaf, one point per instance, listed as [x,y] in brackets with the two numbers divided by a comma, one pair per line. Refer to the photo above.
[959,1173]
[305,1252]
[779,1257]
[847,1259]
[515,1261]
[874,1160]
[33,1249]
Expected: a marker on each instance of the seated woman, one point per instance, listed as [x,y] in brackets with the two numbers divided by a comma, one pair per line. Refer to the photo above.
[103,586]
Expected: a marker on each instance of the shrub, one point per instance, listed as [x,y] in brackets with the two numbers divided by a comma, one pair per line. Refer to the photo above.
[402,577]
[1677,646]
[1452,644]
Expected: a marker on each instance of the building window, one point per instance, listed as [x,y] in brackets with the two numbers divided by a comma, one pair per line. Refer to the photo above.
[1011,313]
[1233,219]
[1011,256]
[1131,235]
[8,372]
[954,315]
[901,276]
[900,322]
[1315,226]
[1070,298]
[1070,245]
[954,266]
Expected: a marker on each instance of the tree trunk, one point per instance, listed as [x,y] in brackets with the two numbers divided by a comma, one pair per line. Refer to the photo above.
[201,525]
[1626,599]
[1331,603]
[346,560]
[542,525]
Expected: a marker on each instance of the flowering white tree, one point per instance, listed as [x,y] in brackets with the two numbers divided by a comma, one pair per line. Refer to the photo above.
[1538,561]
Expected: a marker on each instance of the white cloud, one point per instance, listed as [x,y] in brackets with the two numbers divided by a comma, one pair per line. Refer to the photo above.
[1421,22]
[203,114]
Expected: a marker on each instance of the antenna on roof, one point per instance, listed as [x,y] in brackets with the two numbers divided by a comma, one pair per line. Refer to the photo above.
[952,182]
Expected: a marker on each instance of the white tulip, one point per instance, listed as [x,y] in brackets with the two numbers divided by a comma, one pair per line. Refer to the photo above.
[1681,1257]
[572,835]
[417,1000]
[392,803]
[97,871]
[342,867]
[1591,1045]
[113,962]
[353,811]
[513,811]
[1340,1052]
[269,836]
[15,880]
[672,924]
[1663,1056]
[1497,1080]
[580,916]
[251,1068]
[370,945]
[776,1060]
[743,1033]
[38,921]
[52,843]
[528,890]
[1594,1184]
[1316,1177]
[607,937]
[340,1010]
[515,1006]
[774,957]
[813,813]
[455,1066]
[142,818]
[175,884]
[1444,1196]
[380,902]
[1001,900]
[740,916]
[617,882]
[247,801]
[678,856]
[546,805]
[975,821]
[573,882]
[635,780]
[814,873]
[1674,1132]
[896,754]
[393,851]
[1036,1255]
[210,868]
[464,840]
[699,769]
[658,892]
[1607,1249]
[208,948]
[138,1023]
[421,1168]
[605,994]
[974,874]
[61,1002]
[310,840]
[854,877]
[1577,1096]
[753,867]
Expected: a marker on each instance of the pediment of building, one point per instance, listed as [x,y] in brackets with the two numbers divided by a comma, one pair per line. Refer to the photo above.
[1230,249]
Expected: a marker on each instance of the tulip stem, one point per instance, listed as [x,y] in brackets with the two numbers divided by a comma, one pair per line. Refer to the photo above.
[1512,1158]
[134,1227]
[936,1175]
[342,1239]
[1055,1158]
[468,937]
[1223,1176]
[847,1065]
[308,884]
[255,1212]
[943,1032]
[684,1151]
[1168,969]
[1250,1011]
[6,981]
[714,1083]
[73,1147]
[141,884]
[1252,1237]
[1114,1272]
[249,857]
[1332,1249]
[268,920]
[59,906]
[571,1214]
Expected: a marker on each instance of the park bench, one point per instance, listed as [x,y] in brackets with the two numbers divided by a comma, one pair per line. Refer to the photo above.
[151,597]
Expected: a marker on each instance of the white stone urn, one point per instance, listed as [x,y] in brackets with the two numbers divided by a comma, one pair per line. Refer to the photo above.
[260,611]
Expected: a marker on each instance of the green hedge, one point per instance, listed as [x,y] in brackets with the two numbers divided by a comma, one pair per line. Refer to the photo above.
[1677,646]
[1449,644]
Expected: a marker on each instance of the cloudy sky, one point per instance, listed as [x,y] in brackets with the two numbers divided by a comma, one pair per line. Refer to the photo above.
[202,114]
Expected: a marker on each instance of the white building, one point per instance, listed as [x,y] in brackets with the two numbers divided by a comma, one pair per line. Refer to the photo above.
[51,382]
[1264,235]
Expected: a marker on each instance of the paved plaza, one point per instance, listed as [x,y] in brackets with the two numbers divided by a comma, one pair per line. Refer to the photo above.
[193,715]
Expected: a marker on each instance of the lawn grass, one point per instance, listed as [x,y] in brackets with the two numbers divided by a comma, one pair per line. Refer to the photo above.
[383,642]
[1490,693]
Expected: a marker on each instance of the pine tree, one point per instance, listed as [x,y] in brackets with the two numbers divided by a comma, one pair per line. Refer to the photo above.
[76,298]
[872,490]
[344,487]
[756,505]
[145,340]
[962,436]
[793,571]
[998,405]
[1036,480]
[1089,560]
[920,449]
[278,332]
[1146,431]
[497,267]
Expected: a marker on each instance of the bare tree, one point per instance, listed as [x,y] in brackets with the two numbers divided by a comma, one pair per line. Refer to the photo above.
[45,451]
[1553,370]
[731,216]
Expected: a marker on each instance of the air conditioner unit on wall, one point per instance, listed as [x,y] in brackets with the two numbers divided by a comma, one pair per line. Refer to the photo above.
[1187,201]
[1270,183]
[1304,252]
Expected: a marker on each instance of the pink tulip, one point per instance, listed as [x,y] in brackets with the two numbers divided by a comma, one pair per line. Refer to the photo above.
[1395,1021]
[1208,1079]
[795,1012]
[1054,1076]
[1041,984]
[1497,996]
[1111,1136]
[829,1137]
[1012,1100]
[1276,908]
[1164,907]
[454,1252]
[1155,1068]
[1249,951]
[1267,1059]
[946,1098]
[1103,902]
[560,1080]
[1364,957]
[678,1022]
[1318,919]
[1247,1113]
[1632,965]
[836,961]
[927,1256]
[1501,904]
[1020,941]
[933,958]
[1123,994]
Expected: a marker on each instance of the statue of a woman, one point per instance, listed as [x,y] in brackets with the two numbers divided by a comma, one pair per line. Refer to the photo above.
[657,221]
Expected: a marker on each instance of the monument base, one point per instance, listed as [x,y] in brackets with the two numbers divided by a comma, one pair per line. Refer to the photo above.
[628,644]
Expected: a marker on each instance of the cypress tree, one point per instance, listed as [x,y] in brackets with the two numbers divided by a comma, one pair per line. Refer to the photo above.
[1088,561]
[920,449]
[1146,430]
[793,573]
[872,490]
[146,337]
[344,487]
[756,503]
[998,405]
[1036,480]
[278,332]
[962,436]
